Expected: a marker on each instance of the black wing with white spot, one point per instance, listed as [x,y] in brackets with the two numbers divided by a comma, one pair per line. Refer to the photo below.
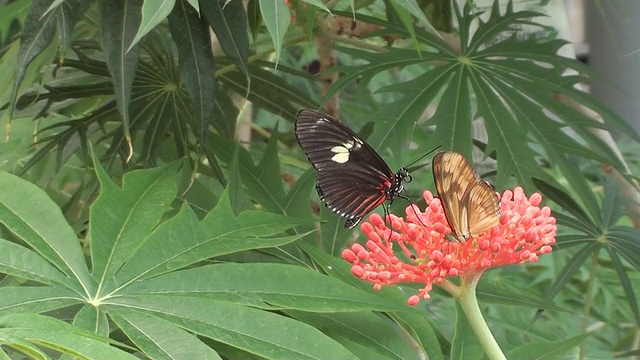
[352,179]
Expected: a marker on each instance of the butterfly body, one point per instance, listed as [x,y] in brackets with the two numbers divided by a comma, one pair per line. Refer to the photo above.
[470,204]
[352,179]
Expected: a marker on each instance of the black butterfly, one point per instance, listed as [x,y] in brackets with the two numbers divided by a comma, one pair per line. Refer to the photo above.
[352,179]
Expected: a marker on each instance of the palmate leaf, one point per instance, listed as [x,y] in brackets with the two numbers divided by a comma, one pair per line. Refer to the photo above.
[236,325]
[158,107]
[29,333]
[152,94]
[113,240]
[150,333]
[511,85]
[42,226]
[619,241]
[146,281]
[265,286]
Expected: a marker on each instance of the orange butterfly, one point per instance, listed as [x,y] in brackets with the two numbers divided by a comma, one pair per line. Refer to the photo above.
[470,204]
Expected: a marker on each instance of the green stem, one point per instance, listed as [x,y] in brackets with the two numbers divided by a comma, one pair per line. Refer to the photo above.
[469,303]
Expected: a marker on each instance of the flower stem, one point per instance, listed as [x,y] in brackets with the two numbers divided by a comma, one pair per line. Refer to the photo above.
[469,303]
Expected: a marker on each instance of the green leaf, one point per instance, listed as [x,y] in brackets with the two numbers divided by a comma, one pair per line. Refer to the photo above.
[567,202]
[623,240]
[158,123]
[170,240]
[183,240]
[464,344]
[394,58]
[254,17]
[237,194]
[29,332]
[549,135]
[502,294]
[193,3]
[506,83]
[366,334]
[297,199]
[251,330]
[32,216]
[262,182]
[69,14]
[39,28]
[457,133]
[119,20]
[23,263]
[92,319]
[225,115]
[569,271]
[249,223]
[160,339]
[268,91]
[197,67]
[626,284]
[36,299]
[412,7]
[229,22]
[538,350]
[121,218]
[333,234]
[153,13]
[404,15]
[422,331]
[266,285]
[276,17]
[319,4]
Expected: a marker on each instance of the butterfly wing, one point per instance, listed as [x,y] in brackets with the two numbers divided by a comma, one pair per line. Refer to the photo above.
[350,193]
[352,179]
[470,205]
[453,177]
[484,208]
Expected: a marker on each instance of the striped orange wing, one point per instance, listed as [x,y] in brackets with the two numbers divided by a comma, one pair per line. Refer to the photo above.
[484,208]
[470,205]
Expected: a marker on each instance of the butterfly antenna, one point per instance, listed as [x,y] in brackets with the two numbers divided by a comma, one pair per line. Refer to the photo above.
[424,156]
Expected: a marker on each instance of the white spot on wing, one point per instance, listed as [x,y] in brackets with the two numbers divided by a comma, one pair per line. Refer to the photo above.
[341,158]
[342,152]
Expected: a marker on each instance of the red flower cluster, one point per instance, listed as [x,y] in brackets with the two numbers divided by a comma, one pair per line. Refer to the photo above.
[525,231]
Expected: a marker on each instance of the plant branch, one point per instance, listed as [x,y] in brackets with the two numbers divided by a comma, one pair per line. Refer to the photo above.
[469,303]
